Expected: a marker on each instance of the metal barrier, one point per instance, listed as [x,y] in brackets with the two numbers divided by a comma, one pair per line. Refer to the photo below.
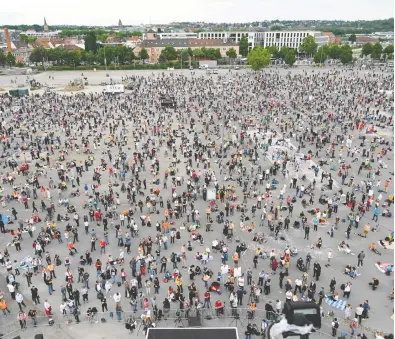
[238,317]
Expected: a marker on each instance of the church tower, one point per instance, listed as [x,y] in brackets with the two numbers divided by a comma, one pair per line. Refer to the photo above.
[119,23]
[45,25]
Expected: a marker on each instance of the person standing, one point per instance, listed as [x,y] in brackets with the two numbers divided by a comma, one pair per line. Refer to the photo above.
[22,316]
[361,256]
[306,232]
[19,300]
[335,326]
[358,313]
[35,296]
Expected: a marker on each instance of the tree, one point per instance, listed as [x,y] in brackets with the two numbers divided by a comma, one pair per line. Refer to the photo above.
[377,50]
[352,38]
[143,54]
[74,57]
[367,49]
[389,49]
[276,28]
[259,58]
[10,59]
[334,52]
[184,55]
[198,53]
[290,58]
[190,51]
[283,52]
[2,58]
[109,53]
[308,46]
[320,56]
[168,53]
[231,53]
[90,58]
[273,51]
[38,55]
[91,42]
[243,47]
[345,54]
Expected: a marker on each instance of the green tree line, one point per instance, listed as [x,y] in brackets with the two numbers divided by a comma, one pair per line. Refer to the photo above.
[376,51]
[59,56]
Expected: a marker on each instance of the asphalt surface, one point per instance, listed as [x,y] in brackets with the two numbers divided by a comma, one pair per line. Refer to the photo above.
[382,307]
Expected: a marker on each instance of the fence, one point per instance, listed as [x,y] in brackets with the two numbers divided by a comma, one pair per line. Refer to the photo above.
[208,317]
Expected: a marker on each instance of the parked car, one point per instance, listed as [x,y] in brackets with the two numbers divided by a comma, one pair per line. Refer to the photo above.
[191,68]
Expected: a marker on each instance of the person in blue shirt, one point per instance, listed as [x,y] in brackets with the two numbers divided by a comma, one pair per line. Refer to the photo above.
[376,214]
[366,308]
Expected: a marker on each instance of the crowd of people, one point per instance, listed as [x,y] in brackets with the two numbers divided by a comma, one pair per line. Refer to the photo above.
[119,204]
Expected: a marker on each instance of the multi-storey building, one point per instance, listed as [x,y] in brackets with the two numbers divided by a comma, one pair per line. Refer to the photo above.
[290,39]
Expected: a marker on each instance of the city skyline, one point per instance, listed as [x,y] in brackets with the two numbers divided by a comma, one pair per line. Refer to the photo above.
[163,12]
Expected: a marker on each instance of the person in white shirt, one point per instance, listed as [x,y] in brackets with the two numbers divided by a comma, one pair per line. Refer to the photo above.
[240,281]
[11,289]
[121,255]
[288,296]
[47,305]
[298,285]
[278,306]
[108,286]
[117,297]
[358,312]
[330,256]
[19,300]
[63,307]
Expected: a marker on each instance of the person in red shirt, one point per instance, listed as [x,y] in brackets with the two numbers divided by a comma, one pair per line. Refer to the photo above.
[274,265]
[219,308]
[97,216]
[102,246]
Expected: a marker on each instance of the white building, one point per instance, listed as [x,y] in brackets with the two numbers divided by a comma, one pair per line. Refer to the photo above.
[290,39]
[177,35]
[33,33]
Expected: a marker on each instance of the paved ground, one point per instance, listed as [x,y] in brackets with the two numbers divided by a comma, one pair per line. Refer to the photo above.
[382,308]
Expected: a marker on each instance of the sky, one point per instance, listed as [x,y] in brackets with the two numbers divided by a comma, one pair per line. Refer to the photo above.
[105,13]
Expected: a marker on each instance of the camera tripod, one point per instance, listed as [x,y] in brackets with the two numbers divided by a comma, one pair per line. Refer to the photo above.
[178,322]
[236,318]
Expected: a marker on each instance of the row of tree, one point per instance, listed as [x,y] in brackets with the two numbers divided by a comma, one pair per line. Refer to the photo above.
[169,53]
[377,51]
[335,52]
[60,56]
[120,55]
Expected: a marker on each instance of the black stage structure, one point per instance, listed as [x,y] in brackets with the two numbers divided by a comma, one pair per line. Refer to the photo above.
[193,333]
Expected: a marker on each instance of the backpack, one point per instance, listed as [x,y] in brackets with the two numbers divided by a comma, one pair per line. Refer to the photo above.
[342,287]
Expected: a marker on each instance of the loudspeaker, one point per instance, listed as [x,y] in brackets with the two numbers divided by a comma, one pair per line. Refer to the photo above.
[194,322]
[39,336]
